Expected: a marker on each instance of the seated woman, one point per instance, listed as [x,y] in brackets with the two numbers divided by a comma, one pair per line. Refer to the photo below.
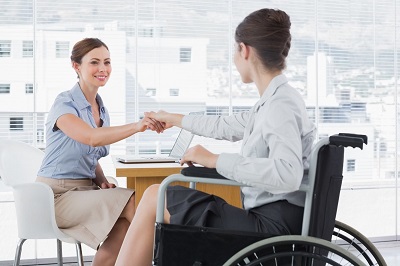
[78,133]
[277,138]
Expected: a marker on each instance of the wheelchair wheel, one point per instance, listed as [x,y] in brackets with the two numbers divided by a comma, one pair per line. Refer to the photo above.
[293,250]
[352,240]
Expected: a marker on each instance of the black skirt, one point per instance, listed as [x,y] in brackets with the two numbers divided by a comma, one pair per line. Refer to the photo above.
[192,207]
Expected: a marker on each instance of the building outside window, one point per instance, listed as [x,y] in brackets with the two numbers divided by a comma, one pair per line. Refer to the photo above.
[62,49]
[5,48]
[27,49]
[347,85]
[28,88]
[151,92]
[4,88]
[185,54]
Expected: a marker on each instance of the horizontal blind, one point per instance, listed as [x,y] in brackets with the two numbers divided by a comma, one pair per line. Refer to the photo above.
[177,56]
[181,59]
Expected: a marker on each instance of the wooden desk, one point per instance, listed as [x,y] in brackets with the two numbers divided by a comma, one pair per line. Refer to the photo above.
[141,176]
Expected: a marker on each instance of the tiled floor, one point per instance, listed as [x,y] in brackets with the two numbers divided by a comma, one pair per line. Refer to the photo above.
[389,250]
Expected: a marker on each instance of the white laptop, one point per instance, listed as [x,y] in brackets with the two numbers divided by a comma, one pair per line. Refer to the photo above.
[181,144]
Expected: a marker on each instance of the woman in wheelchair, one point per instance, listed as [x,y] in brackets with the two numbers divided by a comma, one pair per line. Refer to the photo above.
[276,135]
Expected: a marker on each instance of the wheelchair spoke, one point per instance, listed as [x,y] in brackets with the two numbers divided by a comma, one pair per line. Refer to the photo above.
[297,251]
[353,241]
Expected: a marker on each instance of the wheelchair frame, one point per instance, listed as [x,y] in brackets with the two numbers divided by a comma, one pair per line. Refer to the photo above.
[320,238]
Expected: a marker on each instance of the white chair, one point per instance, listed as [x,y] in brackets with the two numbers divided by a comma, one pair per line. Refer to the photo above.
[34,201]
[112,179]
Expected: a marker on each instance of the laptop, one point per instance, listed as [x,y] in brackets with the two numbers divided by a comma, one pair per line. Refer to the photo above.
[181,144]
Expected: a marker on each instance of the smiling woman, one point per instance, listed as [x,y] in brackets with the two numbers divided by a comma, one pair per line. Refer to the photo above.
[93,67]
[78,134]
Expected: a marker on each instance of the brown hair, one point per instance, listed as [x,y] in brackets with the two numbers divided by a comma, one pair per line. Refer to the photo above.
[83,47]
[268,32]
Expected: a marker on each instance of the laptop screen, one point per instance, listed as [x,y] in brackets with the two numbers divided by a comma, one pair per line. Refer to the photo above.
[181,144]
[183,141]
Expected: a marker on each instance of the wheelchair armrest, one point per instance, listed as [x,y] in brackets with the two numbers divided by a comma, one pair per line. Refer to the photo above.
[203,172]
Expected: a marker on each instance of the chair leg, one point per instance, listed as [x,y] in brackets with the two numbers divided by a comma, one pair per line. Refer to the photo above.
[59,253]
[18,251]
[79,253]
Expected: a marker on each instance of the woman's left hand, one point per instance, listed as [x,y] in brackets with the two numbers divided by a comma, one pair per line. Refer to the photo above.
[106,185]
[200,155]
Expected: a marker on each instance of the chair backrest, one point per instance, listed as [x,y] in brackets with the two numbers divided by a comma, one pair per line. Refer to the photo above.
[328,183]
[112,179]
[19,162]
[34,201]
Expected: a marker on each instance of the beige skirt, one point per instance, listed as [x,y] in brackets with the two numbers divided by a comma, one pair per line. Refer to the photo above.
[85,212]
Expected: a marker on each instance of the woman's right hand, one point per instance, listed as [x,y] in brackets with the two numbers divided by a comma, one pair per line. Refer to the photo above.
[199,155]
[149,123]
[167,119]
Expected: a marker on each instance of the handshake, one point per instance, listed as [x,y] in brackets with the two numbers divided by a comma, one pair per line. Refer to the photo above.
[159,121]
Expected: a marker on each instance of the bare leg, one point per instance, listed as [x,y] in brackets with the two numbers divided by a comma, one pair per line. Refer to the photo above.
[129,211]
[137,248]
[108,251]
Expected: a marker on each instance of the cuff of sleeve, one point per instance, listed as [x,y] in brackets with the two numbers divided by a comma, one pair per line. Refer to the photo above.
[226,164]
[187,122]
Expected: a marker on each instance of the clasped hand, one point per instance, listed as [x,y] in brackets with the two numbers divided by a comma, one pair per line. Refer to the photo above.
[162,120]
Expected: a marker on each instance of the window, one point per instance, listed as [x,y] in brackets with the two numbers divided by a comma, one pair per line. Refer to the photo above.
[146,32]
[185,55]
[4,88]
[27,49]
[62,49]
[150,31]
[5,48]
[344,61]
[173,92]
[351,165]
[16,123]
[29,88]
[40,136]
[151,92]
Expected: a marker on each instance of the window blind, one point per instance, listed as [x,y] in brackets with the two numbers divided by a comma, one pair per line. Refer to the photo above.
[177,56]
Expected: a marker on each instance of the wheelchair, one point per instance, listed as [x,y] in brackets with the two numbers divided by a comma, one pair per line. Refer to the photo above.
[323,241]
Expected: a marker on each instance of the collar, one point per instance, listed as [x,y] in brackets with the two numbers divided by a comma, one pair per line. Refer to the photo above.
[273,86]
[79,98]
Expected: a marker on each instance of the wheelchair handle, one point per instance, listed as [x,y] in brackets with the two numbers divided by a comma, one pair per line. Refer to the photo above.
[348,140]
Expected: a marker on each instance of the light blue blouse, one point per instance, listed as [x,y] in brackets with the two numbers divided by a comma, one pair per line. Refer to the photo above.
[65,157]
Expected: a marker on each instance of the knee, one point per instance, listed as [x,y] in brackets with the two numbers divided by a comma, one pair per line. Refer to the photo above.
[151,192]
[150,195]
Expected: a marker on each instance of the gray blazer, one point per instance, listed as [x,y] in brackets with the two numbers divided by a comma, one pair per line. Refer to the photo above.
[277,137]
